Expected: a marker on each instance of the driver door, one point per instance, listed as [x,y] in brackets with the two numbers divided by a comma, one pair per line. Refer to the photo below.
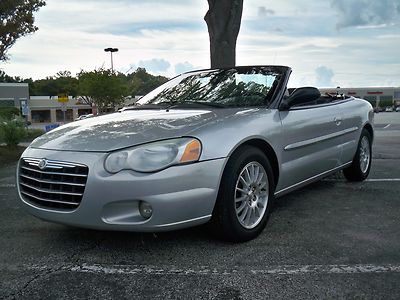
[312,143]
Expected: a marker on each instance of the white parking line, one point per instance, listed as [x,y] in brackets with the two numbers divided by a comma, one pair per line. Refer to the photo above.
[367,180]
[387,126]
[382,180]
[7,178]
[7,185]
[207,270]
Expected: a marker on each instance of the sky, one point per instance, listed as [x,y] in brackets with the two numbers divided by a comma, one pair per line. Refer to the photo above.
[327,43]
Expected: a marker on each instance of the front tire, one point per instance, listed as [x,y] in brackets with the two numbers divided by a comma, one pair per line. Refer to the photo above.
[361,165]
[245,196]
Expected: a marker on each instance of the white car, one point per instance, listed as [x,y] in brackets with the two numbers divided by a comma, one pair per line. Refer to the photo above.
[82,117]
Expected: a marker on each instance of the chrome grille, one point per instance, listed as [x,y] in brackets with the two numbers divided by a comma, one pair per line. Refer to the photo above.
[52,184]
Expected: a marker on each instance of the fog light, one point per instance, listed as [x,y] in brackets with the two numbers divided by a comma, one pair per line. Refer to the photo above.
[145,209]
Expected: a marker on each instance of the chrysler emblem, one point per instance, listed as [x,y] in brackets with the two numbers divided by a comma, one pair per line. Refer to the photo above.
[42,164]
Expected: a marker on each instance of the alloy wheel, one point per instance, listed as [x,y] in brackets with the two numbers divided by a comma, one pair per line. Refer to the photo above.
[251,195]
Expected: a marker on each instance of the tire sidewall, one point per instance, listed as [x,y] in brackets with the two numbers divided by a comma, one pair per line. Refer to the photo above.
[362,174]
[230,177]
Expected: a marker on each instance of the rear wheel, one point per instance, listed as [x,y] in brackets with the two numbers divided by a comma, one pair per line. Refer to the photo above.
[245,195]
[361,165]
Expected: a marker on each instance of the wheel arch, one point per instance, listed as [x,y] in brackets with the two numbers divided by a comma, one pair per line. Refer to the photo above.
[267,149]
[370,130]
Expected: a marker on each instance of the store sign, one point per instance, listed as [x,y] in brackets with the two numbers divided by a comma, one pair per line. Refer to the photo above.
[49,127]
[24,107]
[63,98]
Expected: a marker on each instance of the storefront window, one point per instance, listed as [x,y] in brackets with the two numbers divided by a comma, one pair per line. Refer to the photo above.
[60,115]
[41,116]
[6,103]
[84,111]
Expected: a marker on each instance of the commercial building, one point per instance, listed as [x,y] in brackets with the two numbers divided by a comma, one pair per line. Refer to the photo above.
[377,96]
[11,94]
[48,109]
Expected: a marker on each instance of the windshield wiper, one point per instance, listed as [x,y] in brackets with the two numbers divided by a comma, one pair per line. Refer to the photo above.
[194,103]
[148,106]
[173,104]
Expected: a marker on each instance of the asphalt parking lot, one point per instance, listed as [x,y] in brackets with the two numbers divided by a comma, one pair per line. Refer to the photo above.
[333,239]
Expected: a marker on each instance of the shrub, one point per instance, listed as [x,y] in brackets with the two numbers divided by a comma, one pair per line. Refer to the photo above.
[7,113]
[12,131]
[384,103]
[32,134]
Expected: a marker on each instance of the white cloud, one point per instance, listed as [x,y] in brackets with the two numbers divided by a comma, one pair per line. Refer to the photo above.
[299,33]
[263,11]
[184,67]
[324,76]
[155,65]
[366,12]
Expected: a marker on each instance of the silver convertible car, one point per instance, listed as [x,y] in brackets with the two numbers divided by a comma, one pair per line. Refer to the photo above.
[210,145]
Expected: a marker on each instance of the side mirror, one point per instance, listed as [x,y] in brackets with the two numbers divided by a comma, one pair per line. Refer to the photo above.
[300,96]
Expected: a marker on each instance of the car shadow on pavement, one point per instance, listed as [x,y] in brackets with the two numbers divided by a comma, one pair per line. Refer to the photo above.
[190,237]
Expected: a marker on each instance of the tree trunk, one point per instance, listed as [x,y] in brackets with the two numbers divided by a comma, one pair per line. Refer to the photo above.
[223,20]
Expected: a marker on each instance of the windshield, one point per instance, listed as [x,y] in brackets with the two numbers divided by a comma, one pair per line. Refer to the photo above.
[220,88]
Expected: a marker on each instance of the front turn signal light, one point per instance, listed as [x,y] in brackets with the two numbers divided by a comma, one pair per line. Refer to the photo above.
[192,152]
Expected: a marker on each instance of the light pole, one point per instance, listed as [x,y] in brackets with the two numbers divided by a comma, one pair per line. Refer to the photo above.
[111,50]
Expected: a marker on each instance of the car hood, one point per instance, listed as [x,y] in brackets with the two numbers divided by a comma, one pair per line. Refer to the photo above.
[128,128]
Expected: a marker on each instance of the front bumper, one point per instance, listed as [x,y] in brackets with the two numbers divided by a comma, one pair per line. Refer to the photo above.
[181,196]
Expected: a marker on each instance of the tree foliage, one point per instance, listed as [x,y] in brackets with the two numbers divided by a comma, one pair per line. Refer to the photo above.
[140,82]
[16,20]
[62,83]
[223,21]
[12,131]
[6,78]
[8,113]
[92,83]
[385,103]
[102,88]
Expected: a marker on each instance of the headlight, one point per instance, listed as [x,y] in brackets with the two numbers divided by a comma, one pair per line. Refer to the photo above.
[155,156]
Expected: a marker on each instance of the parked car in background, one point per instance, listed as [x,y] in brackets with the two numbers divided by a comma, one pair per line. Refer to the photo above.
[398,109]
[379,109]
[82,117]
[389,109]
[207,146]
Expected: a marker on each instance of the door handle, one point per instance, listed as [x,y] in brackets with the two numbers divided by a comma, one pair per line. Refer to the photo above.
[337,121]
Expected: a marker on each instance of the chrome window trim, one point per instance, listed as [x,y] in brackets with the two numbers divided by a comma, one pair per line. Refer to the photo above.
[311,106]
